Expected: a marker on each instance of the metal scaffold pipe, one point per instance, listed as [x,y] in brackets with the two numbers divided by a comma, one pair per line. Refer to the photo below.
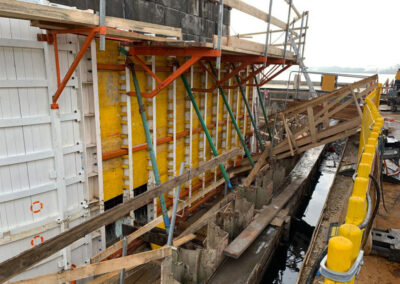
[149,144]
[221,90]
[249,110]
[204,126]
[268,30]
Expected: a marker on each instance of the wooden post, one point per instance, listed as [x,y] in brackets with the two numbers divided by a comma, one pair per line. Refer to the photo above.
[356,102]
[311,123]
[287,134]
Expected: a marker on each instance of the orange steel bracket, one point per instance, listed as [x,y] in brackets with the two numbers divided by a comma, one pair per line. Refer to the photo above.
[61,85]
[223,80]
[195,55]
[250,76]
[265,81]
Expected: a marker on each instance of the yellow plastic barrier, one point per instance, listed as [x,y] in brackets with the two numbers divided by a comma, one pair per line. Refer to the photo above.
[344,249]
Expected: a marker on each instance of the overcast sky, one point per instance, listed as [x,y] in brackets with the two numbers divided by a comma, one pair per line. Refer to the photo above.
[346,33]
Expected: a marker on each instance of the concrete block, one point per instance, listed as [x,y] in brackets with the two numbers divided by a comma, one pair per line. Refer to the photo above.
[206,9]
[193,7]
[225,30]
[173,17]
[209,28]
[180,5]
[145,11]
[205,39]
[215,12]
[188,36]
[74,3]
[227,16]
[191,25]
[116,9]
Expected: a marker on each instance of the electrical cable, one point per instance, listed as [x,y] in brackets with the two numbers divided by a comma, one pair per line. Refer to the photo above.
[382,161]
[364,224]
[316,265]
[375,212]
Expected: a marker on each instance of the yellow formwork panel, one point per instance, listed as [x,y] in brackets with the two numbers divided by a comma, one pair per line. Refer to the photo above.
[162,122]
[180,123]
[140,159]
[110,120]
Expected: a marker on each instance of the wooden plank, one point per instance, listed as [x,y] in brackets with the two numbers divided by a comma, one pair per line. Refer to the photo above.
[242,45]
[89,270]
[344,134]
[311,123]
[254,229]
[302,107]
[324,134]
[30,11]
[113,275]
[331,131]
[203,220]
[115,33]
[183,240]
[26,259]
[294,9]
[151,225]
[106,278]
[260,163]
[288,136]
[356,103]
[253,11]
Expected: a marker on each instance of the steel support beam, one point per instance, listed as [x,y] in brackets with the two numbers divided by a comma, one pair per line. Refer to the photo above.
[204,126]
[149,143]
[249,111]
[232,116]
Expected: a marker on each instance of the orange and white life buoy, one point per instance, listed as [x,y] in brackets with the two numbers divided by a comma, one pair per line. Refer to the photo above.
[38,239]
[36,206]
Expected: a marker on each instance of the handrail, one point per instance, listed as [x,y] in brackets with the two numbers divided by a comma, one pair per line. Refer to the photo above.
[345,250]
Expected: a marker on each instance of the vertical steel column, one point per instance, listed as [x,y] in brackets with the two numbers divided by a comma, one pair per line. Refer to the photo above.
[102,22]
[190,136]
[226,102]
[301,34]
[149,145]
[216,140]
[124,252]
[305,35]
[130,144]
[175,208]
[249,110]
[262,105]
[287,29]
[204,126]
[205,119]
[268,28]
[220,23]
[154,106]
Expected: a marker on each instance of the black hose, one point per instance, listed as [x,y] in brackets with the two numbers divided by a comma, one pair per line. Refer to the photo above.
[375,212]
[382,150]
[316,265]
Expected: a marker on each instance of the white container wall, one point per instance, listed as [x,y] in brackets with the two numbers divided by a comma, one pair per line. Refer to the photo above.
[49,161]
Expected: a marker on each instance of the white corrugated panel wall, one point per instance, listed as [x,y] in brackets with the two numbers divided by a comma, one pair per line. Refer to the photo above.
[49,178]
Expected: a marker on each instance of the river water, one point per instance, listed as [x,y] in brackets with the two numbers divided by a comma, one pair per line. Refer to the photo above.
[289,256]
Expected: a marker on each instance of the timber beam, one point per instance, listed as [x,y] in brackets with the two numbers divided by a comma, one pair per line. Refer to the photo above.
[28,258]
